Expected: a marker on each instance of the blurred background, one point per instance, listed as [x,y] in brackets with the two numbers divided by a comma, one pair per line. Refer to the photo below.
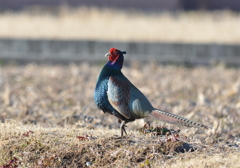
[154,32]
[174,30]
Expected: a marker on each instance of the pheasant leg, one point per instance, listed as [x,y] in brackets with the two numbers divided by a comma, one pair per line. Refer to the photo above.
[122,128]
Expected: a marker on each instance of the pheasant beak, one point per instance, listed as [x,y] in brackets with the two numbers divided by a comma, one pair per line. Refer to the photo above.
[108,54]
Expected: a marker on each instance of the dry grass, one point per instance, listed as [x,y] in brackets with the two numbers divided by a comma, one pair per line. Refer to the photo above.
[60,147]
[56,103]
[117,25]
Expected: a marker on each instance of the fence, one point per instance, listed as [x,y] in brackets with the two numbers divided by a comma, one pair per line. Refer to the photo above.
[73,50]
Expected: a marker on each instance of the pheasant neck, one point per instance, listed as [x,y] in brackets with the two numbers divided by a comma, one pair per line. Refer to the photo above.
[116,65]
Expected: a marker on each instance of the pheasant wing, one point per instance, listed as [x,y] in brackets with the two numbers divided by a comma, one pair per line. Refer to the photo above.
[119,95]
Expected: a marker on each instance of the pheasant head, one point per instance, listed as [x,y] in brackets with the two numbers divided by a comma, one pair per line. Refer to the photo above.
[115,58]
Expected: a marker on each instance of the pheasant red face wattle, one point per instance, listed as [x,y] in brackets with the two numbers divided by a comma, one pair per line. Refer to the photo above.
[113,57]
[113,54]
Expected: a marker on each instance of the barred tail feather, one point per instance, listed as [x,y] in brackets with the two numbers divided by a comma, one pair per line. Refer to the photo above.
[174,119]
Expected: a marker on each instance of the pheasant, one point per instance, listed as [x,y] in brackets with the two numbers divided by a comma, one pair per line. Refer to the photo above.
[116,95]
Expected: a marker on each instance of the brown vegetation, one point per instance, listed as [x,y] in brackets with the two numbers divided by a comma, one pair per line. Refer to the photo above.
[49,118]
[120,25]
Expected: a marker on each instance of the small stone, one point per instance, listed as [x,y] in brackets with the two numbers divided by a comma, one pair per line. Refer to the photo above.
[88,163]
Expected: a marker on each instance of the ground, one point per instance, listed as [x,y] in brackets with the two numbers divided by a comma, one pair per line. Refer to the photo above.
[49,119]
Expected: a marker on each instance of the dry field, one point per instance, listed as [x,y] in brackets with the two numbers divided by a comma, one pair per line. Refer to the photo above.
[48,117]
[118,25]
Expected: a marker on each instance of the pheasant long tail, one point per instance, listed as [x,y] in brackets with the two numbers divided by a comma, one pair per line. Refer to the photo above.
[174,119]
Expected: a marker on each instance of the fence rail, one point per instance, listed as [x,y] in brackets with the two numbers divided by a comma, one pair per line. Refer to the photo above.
[80,50]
